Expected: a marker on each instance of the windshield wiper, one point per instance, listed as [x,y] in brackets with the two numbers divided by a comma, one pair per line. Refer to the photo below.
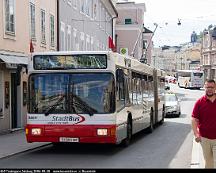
[51,108]
[84,106]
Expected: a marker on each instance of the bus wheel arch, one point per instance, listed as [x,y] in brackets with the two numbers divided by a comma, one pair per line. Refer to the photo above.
[151,125]
[163,115]
[129,130]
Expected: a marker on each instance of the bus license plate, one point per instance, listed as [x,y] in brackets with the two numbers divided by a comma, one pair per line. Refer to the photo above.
[64,139]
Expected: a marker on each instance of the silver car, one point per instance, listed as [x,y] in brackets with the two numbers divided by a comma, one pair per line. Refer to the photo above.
[172,105]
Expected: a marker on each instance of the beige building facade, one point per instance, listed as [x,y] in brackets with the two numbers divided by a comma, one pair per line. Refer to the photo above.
[208,53]
[130,28]
[22,23]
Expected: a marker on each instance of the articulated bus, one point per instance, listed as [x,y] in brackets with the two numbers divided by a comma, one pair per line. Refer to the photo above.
[190,78]
[92,97]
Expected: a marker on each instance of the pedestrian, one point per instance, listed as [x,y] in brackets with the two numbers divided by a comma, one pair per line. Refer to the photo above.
[204,123]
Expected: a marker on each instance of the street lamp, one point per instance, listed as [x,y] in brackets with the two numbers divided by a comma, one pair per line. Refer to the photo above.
[144,57]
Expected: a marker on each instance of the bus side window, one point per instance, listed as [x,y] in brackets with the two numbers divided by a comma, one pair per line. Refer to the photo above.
[127,99]
[145,88]
[120,89]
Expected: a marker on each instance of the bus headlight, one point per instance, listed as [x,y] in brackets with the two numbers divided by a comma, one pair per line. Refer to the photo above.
[36,131]
[102,132]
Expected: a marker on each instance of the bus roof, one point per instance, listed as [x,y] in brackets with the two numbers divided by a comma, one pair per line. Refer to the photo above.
[70,52]
[117,58]
[189,71]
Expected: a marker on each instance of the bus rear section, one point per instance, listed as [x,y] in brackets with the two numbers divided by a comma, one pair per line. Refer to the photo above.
[71,107]
[190,79]
[197,79]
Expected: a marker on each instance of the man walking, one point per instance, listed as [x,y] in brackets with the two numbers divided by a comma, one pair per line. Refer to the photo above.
[204,123]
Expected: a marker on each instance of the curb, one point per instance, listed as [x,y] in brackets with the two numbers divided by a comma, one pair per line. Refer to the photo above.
[3,156]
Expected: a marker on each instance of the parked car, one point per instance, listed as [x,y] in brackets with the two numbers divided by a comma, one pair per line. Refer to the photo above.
[172,105]
[170,79]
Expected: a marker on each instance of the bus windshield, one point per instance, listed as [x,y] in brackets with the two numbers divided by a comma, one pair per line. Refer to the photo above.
[198,74]
[56,93]
[56,62]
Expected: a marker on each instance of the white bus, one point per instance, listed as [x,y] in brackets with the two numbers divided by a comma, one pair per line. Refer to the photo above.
[190,78]
[92,97]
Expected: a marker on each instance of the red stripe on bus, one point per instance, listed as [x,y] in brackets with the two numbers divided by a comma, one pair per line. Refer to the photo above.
[85,133]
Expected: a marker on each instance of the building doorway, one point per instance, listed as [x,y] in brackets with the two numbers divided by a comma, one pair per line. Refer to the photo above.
[1,94]
[13,101]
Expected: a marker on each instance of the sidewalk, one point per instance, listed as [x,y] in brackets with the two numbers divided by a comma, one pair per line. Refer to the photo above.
[197,160]
[15,142]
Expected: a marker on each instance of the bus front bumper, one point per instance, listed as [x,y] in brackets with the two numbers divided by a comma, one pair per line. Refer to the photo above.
[72,133]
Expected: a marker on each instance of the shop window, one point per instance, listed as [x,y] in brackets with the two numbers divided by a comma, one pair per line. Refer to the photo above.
[7,94]
[128,21]
[24,93]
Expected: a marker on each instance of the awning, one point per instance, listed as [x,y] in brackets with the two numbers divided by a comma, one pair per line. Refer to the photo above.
[13,60]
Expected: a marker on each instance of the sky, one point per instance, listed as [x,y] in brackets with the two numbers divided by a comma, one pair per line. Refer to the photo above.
[194,15]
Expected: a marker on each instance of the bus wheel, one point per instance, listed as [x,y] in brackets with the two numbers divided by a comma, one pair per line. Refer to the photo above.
[127,141]
[163,115]
[151,126]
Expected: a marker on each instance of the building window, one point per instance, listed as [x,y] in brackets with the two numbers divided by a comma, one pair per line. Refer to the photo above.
[95,11]
[32,18]
[100,15]
[108,24]
[75,39]
[68,37]
[9,17]
[128,21]
[103,18]
[92,43]
[87,7]
[70,2]
[52,30]
[82,41]
[88,45]
[62,36]
[206,41]
[43,27]
[75,3]
[82,6]
[77,46]
[144,44]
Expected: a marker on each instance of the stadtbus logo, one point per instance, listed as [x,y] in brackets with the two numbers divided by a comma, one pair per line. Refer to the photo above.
[68,119]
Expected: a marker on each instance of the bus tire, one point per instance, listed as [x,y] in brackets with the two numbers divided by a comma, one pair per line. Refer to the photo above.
[151,125]
[163,115]
[126,142]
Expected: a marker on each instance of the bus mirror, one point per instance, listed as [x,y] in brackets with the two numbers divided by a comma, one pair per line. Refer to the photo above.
[119,75]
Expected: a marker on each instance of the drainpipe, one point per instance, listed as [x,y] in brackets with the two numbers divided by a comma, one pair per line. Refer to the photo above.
[116,16]
[58,25]
[113,36]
